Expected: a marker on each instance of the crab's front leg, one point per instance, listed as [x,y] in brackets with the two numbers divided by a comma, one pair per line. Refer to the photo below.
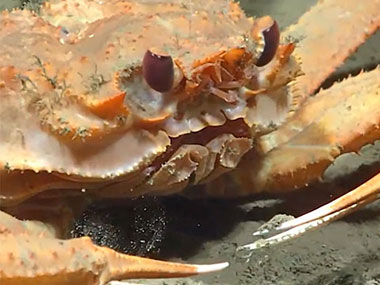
[31,254]
[338,120]
[344,205]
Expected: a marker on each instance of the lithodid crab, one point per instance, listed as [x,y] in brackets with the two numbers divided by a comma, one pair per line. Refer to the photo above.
[114,99]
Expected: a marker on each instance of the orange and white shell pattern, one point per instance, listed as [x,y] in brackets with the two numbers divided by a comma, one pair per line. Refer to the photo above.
[77,102]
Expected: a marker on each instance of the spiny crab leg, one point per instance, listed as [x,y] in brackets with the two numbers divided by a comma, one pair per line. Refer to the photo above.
[338,120]
[352,201]
[322,38]
[33,255]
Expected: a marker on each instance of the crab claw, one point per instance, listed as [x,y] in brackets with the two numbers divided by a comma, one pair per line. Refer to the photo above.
[352,201]
[32,256]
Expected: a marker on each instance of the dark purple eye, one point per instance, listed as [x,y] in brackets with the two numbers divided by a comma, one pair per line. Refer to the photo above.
[271,35]
[158,71]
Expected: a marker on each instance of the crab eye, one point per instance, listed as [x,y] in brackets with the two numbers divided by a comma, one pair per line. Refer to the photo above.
[158,71]
[266,29]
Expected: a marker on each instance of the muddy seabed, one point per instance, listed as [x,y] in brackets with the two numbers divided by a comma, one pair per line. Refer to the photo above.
[207,231]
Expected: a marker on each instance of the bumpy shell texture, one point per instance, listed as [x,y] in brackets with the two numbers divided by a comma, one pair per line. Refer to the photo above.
[75,103]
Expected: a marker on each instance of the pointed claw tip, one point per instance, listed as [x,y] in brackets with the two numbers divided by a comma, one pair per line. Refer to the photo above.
[260,232]
[207,268]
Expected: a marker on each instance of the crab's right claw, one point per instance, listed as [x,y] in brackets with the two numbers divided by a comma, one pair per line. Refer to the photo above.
[352,201]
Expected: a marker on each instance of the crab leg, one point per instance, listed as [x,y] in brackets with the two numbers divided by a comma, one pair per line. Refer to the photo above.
[352,201]
[338,120]
[79,261]
[362,195]
[322,45]
[30,255]
[326,35]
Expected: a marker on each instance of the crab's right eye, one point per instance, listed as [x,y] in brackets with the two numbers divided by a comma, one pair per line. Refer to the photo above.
[158,71]
[267,33]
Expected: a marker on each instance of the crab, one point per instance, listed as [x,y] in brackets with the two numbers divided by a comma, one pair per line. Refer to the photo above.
[118,99]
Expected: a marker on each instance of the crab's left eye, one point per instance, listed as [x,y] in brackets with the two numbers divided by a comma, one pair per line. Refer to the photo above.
[158,71]
[266,30]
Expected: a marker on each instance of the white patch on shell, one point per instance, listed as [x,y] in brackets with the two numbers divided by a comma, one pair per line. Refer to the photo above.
[269,109]
[144,102]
